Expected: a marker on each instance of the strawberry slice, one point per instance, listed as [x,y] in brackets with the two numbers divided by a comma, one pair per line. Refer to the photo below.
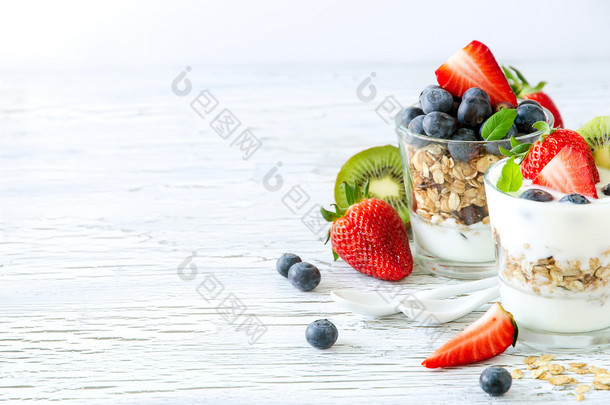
[475,66]
[484,339]
[569,172]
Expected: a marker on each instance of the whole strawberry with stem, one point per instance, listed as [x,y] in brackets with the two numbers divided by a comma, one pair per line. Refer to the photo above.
[525,91]
[370,236]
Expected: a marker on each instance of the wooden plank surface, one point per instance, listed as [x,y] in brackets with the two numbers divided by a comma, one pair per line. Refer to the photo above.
[110,182]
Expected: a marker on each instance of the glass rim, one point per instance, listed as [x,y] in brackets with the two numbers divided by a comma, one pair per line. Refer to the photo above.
[403,131]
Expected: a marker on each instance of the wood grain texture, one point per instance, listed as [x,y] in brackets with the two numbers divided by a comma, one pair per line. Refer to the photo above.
[110,181]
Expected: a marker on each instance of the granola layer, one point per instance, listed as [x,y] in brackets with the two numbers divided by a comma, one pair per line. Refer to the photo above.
[444,188]
[548,276]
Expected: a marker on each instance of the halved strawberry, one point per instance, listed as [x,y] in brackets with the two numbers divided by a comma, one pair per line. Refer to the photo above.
[484,339]
[475,66]
[548,147]
[569,172]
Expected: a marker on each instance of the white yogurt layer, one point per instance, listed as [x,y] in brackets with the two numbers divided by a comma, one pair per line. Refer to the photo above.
[449,240]
[563,315]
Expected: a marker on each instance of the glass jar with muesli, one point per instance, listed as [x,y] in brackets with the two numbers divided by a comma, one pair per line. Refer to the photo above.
[553,259]
[447,202]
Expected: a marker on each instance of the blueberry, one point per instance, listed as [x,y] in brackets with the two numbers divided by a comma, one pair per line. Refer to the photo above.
[503,105]
[465,150]
[476,92]
[408,114]
[473,111]
[528,114]
[575,198]
[284,263]
[416,126]
[436,99]
[439,125]
[427,89]
[535,194]
[534,102]
[495,380]
[321,334]
[494,147]
[606,189]
[304,276]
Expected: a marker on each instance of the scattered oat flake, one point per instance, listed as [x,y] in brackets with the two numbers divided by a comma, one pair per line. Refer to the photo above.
[580,397]
[537,373]
[516,374]
[560,379]
[599,386]
[596,370]
[546,357]
[577,365]
[583,388]
[555,369]
[603,378]
[530,359]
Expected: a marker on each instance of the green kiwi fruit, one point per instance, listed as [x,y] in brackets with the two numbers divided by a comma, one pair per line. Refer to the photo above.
[597,134]
[382,167]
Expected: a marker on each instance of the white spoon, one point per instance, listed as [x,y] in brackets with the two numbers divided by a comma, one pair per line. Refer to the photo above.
[376,305]
[432,312]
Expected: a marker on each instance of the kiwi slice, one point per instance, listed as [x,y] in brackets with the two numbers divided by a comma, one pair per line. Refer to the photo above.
[382,166]
[597,134]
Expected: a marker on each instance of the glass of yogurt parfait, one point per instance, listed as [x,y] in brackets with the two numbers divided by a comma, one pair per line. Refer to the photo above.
[553,261]
[447,201]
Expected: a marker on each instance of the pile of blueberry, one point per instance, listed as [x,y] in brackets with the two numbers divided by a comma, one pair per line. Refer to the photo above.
[443,116]
[302,275]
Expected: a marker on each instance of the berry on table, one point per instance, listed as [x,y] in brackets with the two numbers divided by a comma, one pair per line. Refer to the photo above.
[606,189]
[285,261]
[575,198]
[304,276]
[495,380]
[439,125]
[535,194]
[321,334]
[436,99]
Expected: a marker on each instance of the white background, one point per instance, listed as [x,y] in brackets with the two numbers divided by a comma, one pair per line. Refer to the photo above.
[73,34]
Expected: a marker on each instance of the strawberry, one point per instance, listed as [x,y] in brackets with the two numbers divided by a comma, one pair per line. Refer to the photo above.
[487,337]
[549,146]
[569,172]
[523,90]
[370,236]
[475,66]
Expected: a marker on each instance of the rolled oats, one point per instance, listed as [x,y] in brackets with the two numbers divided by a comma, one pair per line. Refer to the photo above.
[457,185]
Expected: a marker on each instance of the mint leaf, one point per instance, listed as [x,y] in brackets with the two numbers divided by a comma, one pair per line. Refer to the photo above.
[498,125]
[543,127]
[511,178]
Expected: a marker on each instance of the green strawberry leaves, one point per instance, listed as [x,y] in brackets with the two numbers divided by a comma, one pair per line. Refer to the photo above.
[498,125]
[518,83]
[511,178]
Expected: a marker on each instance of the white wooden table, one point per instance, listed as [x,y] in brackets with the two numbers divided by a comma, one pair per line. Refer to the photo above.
[110,182]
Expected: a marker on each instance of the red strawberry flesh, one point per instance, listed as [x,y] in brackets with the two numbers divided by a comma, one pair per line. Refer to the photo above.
[475,66]
[542,152]
[569,172]
[487,337]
